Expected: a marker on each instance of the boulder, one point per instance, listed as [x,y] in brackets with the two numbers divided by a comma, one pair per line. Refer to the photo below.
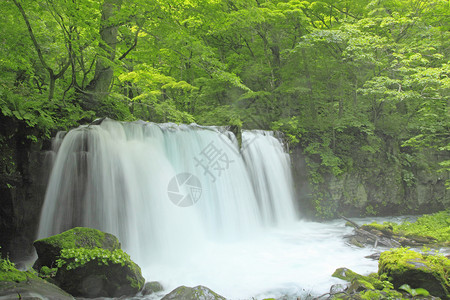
[89,264]
[151,287]
[362,287]
[98,273]
[48,249]
[33,288]
[196,293]
[15,284]
[346,274]
[430,272]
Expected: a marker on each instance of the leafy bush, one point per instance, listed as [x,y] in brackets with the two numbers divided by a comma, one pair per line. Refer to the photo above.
[6,265]
[436,226]
[76,257]
[8,271]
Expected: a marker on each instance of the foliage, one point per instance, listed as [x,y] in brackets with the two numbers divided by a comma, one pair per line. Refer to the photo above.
[75,257]
[399,255]
[46,272]
[433,268]
[436,226]
[414,292]
[337,77]
[373,286]
[8,271]
[6,265]
[81,237]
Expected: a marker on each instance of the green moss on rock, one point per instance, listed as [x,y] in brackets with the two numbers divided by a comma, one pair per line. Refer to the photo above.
[79,237]
[89,264]
[99,276]
[152,287]
[404,266]
[9,273]
[369,287]
[195,293]
[433,229]
[16,275]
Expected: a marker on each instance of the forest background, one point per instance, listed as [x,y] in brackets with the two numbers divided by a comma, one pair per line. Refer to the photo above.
[360,88]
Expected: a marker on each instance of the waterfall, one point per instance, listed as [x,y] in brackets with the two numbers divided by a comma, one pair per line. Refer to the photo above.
[165,189]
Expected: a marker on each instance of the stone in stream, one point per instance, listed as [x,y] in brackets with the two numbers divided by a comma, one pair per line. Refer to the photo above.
[151,287]
[418,270]
[49,249]
[33,288]
[89,264]
[196,293]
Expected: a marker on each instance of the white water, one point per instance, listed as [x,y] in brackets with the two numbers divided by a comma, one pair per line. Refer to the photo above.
[240,238]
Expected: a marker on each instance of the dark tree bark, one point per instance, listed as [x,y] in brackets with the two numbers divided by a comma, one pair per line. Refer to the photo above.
[99,86]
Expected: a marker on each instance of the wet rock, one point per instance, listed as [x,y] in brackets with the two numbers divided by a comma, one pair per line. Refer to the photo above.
[196,293]
[89,264]
[374,256]
[346,274]
[404,266]
[34,288]
[152,287]
[49,249]
[337,289]
[95,279]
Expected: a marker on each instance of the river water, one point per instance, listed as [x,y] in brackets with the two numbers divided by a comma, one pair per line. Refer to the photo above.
[192,208]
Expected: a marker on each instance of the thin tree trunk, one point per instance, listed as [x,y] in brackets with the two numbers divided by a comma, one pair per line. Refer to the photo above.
[98,88]
[309,85]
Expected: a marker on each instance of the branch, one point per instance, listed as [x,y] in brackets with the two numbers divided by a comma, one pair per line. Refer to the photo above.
[344,12]
[33,38]
[132,46]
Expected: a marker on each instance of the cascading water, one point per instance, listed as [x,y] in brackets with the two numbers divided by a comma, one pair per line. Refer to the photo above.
[190,207]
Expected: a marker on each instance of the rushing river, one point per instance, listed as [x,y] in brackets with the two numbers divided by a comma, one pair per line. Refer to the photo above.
[289,262]
[191,208]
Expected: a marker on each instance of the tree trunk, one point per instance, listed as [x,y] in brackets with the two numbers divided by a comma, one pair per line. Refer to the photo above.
[99,86]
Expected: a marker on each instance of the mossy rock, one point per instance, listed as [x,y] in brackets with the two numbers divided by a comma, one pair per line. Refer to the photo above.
[196,293]
[379,229]
[371,281]
[16,276]
[9,272]
[404,266]
[152,287]
[368,287]
[49,249]
[370,295]
[346,274]
[102,275]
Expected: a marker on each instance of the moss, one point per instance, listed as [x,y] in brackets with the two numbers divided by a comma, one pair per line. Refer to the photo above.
[418,270]
[112,273]
[81,237]
[48,249]
[381,295]
[152,287]
[198,292]
[136,280]
[46,272]
[346,274]
[428,229]
[14,275]
[369,287]
[8,272]
[385,228]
